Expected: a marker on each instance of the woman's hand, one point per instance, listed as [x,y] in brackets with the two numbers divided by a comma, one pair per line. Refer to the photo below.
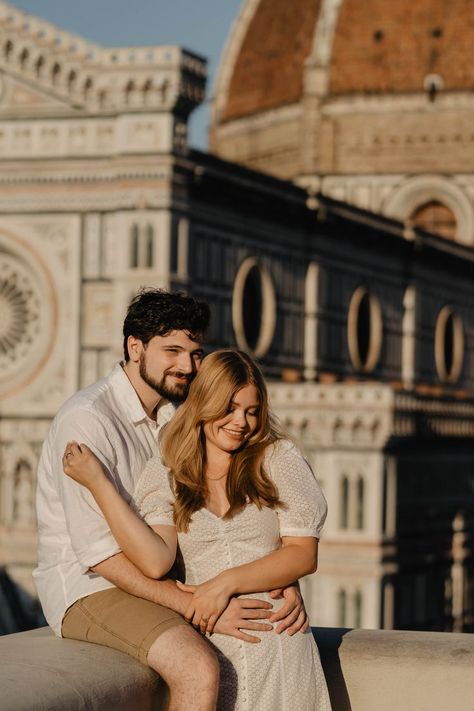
[81,464]
[208,602]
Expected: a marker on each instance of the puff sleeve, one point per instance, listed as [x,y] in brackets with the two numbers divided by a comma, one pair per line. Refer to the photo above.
[153,497]
[304,507]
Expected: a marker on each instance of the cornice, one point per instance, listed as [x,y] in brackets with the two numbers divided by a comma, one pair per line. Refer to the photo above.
[93,78]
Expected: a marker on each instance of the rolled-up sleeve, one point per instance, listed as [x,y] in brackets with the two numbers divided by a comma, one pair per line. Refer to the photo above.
[304,507]
[153,496]
[91,538]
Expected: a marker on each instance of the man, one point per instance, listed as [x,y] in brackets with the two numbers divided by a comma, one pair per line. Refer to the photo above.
[88,588]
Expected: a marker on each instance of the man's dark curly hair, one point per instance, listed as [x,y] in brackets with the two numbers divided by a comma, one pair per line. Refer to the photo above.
[156,312]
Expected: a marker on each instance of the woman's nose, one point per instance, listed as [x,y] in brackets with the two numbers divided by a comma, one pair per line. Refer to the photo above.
[239,418]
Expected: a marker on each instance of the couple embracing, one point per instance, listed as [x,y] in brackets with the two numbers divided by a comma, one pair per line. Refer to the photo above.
[213,478]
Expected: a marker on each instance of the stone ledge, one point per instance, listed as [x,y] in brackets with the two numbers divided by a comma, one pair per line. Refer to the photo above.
[39,672]
[367,670]
[382,670]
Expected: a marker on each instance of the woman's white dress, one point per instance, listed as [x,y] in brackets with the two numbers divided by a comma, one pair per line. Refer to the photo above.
[281,673]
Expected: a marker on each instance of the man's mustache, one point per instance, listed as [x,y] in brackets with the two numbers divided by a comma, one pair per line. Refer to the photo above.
[177,374]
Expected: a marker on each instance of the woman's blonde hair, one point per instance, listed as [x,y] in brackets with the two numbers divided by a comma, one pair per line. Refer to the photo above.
[221,375]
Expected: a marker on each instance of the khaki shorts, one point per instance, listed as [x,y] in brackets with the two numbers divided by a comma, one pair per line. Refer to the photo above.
[116,619]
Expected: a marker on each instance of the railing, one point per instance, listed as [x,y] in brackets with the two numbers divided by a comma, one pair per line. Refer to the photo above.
[366,670]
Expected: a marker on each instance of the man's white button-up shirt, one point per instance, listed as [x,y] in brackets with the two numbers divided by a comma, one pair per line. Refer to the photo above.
[73,534]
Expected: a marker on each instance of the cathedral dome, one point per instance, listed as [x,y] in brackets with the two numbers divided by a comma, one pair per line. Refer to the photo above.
[371,46]
[268,68]
[370,102]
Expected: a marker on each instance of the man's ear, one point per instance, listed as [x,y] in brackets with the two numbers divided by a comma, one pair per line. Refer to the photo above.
[135,348]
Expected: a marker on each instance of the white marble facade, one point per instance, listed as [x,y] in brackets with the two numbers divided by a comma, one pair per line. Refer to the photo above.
[85,139]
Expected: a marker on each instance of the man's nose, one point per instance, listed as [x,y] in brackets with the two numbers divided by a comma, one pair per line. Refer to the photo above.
[185,363]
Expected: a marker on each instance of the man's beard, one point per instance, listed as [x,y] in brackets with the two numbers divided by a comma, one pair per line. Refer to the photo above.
[175,393]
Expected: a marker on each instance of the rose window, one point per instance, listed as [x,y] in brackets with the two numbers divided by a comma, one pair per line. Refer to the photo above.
[20,311]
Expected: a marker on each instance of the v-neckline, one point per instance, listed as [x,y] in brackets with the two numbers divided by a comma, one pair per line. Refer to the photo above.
[211,513]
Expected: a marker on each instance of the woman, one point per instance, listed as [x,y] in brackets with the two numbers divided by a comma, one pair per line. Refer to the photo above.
[246,510]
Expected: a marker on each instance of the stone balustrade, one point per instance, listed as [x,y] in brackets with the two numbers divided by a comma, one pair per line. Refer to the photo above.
[366,670]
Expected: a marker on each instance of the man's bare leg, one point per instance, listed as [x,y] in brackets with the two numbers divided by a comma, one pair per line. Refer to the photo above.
[188,666]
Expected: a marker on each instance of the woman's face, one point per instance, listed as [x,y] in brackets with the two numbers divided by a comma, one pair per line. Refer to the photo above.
[234,429]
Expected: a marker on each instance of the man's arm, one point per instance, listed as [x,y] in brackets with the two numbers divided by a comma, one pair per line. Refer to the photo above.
[89,534]
[241,614]
[120,571]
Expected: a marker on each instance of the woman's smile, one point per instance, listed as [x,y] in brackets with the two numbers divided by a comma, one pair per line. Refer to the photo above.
[229,432]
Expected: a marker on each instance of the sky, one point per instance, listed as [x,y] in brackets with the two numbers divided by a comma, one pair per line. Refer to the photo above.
[201,26]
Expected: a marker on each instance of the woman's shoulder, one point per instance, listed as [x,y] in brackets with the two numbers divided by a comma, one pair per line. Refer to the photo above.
[156,465]
[279,449]
[154,474]
[284,460]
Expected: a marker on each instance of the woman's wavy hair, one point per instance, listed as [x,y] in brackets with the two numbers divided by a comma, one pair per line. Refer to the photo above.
[221,375]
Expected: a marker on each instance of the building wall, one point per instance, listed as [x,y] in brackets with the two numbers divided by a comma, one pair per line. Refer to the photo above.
[363,326]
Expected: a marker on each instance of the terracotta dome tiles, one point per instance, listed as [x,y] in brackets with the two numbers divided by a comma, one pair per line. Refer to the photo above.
[392,45]
[379,46]
[269,68]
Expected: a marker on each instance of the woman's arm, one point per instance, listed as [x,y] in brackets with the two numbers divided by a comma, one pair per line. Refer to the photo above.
[297,557]
[300,521]
[152,550]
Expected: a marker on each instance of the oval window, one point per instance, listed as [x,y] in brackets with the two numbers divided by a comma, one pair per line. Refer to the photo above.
[449,345]
[364,330]
[253,308]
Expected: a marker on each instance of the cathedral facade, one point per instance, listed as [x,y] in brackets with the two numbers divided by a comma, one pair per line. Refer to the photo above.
[363,324]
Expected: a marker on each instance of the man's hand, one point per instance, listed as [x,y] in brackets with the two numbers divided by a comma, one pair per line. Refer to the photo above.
[292,613]
[241,614]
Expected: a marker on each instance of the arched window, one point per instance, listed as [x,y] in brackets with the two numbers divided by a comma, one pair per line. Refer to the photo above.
[87,87]
[344,502]
[24,56]
[39,65]
[437,218]
[341,607]
[71,79]
[23,495]
[129,89]
[55,72]
[360,503]
[146,91]
[134,246]
[8,50]
[358,609]
[150,237]
[142,246]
